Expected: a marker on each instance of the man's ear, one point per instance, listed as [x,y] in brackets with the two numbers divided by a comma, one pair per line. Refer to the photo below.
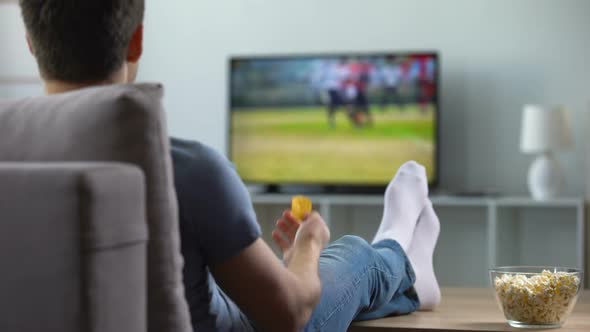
[31,49]
[135,46]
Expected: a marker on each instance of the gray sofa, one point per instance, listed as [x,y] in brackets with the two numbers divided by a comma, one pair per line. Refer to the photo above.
[88,218]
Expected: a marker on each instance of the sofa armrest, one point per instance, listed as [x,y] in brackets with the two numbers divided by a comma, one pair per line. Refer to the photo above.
[73,240]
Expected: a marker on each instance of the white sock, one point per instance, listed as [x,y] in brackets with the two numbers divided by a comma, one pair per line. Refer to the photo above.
[420,255]
[405,198]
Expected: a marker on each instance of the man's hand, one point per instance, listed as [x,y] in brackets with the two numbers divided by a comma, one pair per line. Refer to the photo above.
[289,231]
[284,234]
[313,229]
[283,297]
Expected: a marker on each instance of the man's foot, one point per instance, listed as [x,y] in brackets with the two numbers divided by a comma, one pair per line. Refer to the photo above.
[420,255]
[405,198]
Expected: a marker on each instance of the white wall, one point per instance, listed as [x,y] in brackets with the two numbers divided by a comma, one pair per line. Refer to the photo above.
[18,72]
[496,56]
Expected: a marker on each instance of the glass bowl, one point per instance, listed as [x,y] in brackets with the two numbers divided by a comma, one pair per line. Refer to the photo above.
[536,296]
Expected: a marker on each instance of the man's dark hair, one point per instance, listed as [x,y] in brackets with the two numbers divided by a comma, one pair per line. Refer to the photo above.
[80,41]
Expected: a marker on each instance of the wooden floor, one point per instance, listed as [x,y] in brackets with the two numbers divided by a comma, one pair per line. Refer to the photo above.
[464,309]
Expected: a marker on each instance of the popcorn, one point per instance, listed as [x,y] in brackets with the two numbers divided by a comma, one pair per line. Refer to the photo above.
[300,206]
[542,299]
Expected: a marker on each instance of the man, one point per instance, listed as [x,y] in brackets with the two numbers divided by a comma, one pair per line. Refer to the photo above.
[356,88]
[425,80]
[390,77]
[331,77]
[232,279]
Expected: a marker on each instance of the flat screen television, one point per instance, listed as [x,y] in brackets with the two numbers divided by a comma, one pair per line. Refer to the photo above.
[345,121]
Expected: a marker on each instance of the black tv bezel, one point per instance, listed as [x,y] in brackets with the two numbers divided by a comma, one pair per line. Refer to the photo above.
[340,188]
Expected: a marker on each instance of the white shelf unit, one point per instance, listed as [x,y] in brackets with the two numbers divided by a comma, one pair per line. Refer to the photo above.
[476,232]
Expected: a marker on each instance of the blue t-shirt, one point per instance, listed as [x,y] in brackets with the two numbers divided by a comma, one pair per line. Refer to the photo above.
[217,221]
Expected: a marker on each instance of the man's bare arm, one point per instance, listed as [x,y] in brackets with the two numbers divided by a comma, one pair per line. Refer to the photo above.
[276,297]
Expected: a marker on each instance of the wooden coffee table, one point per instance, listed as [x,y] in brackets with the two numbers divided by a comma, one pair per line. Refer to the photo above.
[468,309]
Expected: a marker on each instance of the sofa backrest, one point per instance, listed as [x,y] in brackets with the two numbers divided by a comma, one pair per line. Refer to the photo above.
[121,123]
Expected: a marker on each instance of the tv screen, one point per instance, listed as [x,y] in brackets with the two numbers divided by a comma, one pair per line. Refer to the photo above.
[334,120]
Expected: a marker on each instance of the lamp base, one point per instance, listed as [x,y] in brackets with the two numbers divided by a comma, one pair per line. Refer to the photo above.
[545,178]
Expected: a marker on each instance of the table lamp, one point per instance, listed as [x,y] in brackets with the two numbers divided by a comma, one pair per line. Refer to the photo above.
[544,132]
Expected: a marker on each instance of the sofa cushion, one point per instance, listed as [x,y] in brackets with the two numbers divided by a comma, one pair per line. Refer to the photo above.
[122,123]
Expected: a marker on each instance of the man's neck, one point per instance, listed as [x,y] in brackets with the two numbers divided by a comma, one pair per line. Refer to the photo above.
[54,87]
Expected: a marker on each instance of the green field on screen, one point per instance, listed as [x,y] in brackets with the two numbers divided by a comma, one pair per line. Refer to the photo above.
[297,145]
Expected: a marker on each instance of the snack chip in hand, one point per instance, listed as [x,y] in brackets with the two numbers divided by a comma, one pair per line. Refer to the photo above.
[300,206]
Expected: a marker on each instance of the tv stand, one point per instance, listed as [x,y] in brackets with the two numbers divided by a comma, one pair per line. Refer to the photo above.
[477,233]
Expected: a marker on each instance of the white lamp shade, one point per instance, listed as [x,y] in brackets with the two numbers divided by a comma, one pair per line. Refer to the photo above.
[545,130]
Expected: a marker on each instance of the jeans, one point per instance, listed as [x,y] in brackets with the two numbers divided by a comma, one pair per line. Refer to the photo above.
[362,281]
